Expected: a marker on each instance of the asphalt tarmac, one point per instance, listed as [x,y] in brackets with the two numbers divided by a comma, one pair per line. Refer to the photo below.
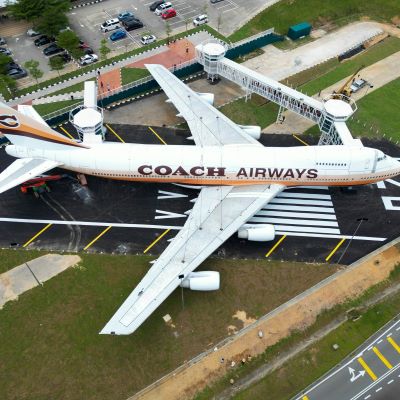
[314,220]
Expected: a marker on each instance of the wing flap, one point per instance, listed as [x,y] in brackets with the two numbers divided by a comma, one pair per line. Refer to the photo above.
[22,170]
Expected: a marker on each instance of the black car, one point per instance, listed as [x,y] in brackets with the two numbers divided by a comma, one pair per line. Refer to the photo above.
[43,40]
[17,73]
[65,57]
[52,49]
[154,5]
[133,24]
[12,65]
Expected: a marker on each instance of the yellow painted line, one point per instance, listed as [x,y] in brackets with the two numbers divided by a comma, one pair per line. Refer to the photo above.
[115,133]
[66,132]
[301,140]
[159,238]
[98,237]
[367,369]
[394,344]
[159,137]
[39,233]
[334,250]
[275,246]
[382,357]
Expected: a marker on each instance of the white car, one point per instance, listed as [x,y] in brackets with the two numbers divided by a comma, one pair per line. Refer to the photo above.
[200,20]
[147,39]
[88,59]
[163,7]
[32,32]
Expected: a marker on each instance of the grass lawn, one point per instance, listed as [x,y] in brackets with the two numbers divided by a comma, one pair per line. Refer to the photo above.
[49,342]
[129,75]
[288,12]
[47,108]
[12,258]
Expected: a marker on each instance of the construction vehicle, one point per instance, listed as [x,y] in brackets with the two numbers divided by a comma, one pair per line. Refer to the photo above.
[345,89]
[38,185]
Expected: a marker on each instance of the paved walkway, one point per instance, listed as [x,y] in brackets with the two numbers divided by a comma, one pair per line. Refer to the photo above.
[33,273]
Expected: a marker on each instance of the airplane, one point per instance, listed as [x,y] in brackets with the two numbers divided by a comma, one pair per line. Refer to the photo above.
[236,176]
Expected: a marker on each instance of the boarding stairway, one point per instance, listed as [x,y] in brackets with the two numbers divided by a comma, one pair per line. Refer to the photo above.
[330,115]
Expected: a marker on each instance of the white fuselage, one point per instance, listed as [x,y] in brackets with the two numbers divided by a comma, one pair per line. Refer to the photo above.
[225,165]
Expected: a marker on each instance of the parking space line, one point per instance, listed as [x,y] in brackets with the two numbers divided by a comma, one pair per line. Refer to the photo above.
[66,132]
[159,137]
[367,368]
[300,140]
[382,357]
[334,250]
[98,237]
[115,133]
[394,344]
[38,234]
[156,241]
[275,245]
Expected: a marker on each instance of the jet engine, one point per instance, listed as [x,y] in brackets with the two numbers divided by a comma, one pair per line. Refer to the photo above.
[259,233]
[208,97]
[252,130]
[202,280]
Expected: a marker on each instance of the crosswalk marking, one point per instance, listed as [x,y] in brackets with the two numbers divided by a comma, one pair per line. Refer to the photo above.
[367,368]
[394,344]
[382,357]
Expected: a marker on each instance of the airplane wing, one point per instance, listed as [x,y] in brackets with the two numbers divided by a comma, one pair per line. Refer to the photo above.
[218,213]
[208,126]
[22,170]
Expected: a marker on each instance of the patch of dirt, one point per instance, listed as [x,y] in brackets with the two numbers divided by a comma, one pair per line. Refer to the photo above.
[242,316]
[396,20]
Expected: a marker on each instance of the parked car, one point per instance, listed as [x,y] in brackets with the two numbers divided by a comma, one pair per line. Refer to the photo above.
[133,24]
[12,65]
[147,39]
[357,85]
[32,32]
[88,50]
[65,57]
[44,39]
[162,8]
[2,40]
[110,25]
[52,49]
[17,73]
[154,5]
[117,35]
[168,14]
[5,51]
[200,20]
[83,45]
[88,59]
[125,15]
[215,1]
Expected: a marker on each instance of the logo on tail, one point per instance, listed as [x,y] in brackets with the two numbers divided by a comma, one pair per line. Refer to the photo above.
[9,121]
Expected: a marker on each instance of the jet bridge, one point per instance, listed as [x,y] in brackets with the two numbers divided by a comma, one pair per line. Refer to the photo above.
[330,115]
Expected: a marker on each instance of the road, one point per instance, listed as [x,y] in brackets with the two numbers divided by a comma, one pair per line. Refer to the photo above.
[373,373]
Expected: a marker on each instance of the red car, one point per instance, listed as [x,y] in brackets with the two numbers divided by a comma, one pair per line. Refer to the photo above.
[168,13]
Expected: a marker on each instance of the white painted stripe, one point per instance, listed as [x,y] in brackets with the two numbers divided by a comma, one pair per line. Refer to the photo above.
[391,381]
[87,223]
[169,195]
[299,222]
[289,228]
[299,208]
[318,235]
[295,215]
[306,195]
[168,214]
[299,201]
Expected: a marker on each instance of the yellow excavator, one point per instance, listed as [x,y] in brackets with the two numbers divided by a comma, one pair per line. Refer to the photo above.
[345,88]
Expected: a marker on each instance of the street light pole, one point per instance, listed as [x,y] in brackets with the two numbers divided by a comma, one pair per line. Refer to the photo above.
[361,220]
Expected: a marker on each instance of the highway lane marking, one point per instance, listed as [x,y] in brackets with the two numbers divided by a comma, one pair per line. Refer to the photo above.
[367,368]
[156,241]
[391,381]
[380,341]
[115,133]
[158,136]
[66,132]
[334,250]
[382,357]
[394,344]
[367,397]
[275,245]
[98,237]
[38,234]
[300,140]
[377,390]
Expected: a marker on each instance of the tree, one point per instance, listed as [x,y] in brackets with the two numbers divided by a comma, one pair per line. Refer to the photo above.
[32,67]
[52,21]
[56,64]
[187,22]
[219,21]
[68,40]
[168,30]
[104,49]
[33,10]
[4,60]
[9,83]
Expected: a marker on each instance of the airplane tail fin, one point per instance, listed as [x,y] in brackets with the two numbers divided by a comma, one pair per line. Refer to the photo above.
[23,130]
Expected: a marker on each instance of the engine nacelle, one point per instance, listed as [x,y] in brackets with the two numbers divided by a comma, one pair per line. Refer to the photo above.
[202,280]
[208,97]
[260,233]
[252,130]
